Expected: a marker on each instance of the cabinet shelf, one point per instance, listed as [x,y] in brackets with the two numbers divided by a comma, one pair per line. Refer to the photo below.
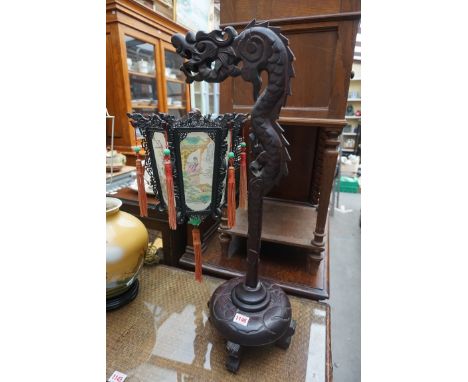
[143,106]
[175,80]
[355,79]
[348,133]
[352,117]
[176,107]
[354,100]
[210,94]
[138,74]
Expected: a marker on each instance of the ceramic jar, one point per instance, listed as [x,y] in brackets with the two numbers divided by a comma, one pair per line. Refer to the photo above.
[126,245]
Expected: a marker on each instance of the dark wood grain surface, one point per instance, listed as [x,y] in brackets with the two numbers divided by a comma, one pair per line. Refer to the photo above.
[130,196]
[292,268]
[284,223]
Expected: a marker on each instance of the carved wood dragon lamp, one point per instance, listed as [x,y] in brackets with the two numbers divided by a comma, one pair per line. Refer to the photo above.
[248,311]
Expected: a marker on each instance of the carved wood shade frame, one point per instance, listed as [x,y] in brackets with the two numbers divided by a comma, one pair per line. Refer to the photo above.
[176,130]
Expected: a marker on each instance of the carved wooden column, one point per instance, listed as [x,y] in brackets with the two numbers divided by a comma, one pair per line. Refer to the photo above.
[330,156]
[318,169]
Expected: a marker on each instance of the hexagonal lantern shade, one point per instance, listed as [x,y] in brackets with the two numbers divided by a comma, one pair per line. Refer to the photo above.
[198,147]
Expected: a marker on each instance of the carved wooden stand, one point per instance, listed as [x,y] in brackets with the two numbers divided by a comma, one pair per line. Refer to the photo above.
[248,311]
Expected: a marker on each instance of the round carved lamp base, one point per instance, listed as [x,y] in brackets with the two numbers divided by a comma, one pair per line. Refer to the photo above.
[124,298]
[251,317]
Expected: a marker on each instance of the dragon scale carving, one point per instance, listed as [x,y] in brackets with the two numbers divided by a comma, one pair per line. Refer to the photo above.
[214,56]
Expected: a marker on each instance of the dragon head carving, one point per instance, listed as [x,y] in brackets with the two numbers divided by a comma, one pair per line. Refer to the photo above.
[214,56]
[210,56]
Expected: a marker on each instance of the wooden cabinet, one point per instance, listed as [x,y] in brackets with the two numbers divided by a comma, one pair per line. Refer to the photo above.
[322,36]
[142,69]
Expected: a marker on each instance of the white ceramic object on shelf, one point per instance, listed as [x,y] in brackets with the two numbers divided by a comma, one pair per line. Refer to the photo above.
[142,66]
[115,160]
[349,144]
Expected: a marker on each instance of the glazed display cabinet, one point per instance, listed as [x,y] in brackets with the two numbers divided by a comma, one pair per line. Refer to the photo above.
[142,69]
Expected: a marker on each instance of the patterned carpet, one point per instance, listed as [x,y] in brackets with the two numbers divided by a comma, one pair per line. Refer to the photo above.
[165,335]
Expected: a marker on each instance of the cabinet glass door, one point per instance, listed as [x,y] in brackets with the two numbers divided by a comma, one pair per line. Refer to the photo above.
[176,88]
[142,75]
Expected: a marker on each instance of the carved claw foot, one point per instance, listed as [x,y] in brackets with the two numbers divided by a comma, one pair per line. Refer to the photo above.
[234,353]
[285,341]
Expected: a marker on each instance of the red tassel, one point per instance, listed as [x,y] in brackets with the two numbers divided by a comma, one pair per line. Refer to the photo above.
[243,180]
[198,253]
[171,210]
[231,202]
[142,200]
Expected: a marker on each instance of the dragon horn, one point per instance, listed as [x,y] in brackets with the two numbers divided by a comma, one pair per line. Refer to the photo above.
[251,24]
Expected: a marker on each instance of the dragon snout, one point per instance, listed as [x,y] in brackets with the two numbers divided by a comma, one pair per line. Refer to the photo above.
[183,48]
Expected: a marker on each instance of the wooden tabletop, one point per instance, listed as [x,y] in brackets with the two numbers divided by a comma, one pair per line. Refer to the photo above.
[131,196]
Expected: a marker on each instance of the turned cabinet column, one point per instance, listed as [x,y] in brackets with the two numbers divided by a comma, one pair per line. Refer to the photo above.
[329,158]
[318,169]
